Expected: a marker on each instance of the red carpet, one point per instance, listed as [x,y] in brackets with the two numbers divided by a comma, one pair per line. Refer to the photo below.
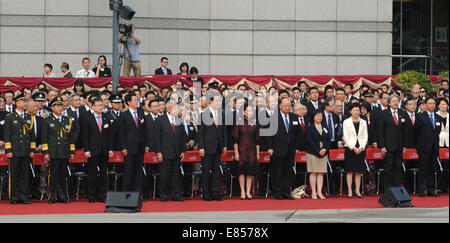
[197,205]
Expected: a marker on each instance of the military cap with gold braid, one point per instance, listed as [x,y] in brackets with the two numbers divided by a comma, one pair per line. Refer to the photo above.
[56,101]
[20,97]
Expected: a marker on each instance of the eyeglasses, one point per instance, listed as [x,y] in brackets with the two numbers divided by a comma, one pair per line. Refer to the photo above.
[423,91]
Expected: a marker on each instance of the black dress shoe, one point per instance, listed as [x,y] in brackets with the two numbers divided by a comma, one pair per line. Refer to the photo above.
[422,194]
[51,201]
[15,202]
[433,194]
[178,199]
[65,200]
[207,198]
[217,198]
[26,201]
[91,200]
[163,199]
[103,200]
[278,197]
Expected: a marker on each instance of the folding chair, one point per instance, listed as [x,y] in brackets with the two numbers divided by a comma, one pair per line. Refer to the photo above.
[79,158]
[3,162]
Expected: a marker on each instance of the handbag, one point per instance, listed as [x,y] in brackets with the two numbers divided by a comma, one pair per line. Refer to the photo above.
[299,192]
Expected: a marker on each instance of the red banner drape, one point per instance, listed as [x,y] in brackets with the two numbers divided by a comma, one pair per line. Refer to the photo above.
[252,82]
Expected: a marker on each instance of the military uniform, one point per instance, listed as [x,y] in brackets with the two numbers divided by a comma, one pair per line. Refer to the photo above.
[58,141]
[20,141]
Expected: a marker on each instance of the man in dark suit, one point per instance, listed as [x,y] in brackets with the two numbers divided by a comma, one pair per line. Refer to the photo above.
[132,142]
[331,122]
[163,70]
[212,142]
[283,148]
[427,129]
[390,129]
[410,139]
[170,148]
[97,148]
[65,70]
[313,103]
[191,140]
[303,121]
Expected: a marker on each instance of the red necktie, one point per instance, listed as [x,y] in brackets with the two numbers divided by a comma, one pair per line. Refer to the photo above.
[412,119]
[303,124]
[136,119]
[173,125]
[395,118]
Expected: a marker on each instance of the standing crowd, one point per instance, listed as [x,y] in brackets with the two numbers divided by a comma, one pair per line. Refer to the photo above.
[214,119]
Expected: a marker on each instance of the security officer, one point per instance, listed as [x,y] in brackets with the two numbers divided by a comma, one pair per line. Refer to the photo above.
[58,144]
[39,97]
[112,116]
[19,145]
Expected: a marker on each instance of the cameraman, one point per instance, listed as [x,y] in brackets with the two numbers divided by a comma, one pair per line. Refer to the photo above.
[131,52]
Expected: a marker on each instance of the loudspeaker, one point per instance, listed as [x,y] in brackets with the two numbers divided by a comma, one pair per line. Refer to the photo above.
[396,197]
[126,12]
[123,202]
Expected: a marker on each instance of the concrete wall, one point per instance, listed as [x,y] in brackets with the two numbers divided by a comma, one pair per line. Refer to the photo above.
[253,37]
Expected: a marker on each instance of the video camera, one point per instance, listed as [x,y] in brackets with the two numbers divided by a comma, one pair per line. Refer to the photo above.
[126,30]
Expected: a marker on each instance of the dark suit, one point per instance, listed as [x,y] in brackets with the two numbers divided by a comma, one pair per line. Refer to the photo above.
[35,185]
[170,144]
[132,139]
[159,71]
[390,136]
[334,137]
[76,120]
[284,144]
[68,75]
[312,108]
[97,142]
[427,137]
[190,135]
[265,144]
[314,139]
[213,140]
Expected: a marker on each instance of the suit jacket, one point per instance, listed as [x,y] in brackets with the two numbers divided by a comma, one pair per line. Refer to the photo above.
[132,137]
[2,123]
[68,75]
[390,135]
[150,132]
[169,143]
[159,71]
[410,139]
[301,143]
[77,127]
[264,141]
[39,121]
[114,129]
[315,140]
[93,140]
[191,134]
[427,136]
[336,126]
[351,137]
[283,142]
[311,108]
[210,137]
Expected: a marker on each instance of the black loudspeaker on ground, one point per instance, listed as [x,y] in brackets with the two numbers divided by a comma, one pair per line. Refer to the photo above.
[123,202]
[396,197]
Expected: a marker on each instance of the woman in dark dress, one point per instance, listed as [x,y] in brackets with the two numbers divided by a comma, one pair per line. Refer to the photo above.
[101,70]
[246,149]
[355,138]
[366,109]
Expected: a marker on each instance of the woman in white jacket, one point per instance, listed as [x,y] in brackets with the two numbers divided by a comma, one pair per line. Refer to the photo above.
[443,136]
[355,138]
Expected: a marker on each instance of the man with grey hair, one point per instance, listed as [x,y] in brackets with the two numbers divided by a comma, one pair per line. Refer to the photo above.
[390,133]
[38,121]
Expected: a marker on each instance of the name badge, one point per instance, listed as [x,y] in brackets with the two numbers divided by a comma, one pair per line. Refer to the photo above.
[403,120]
[2,122]
[191,128]
[15,122]
[106,126]
[52,125]
[438,124]
[295,123]
[325,130]
[335,125]
[73,119]
[142,121]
